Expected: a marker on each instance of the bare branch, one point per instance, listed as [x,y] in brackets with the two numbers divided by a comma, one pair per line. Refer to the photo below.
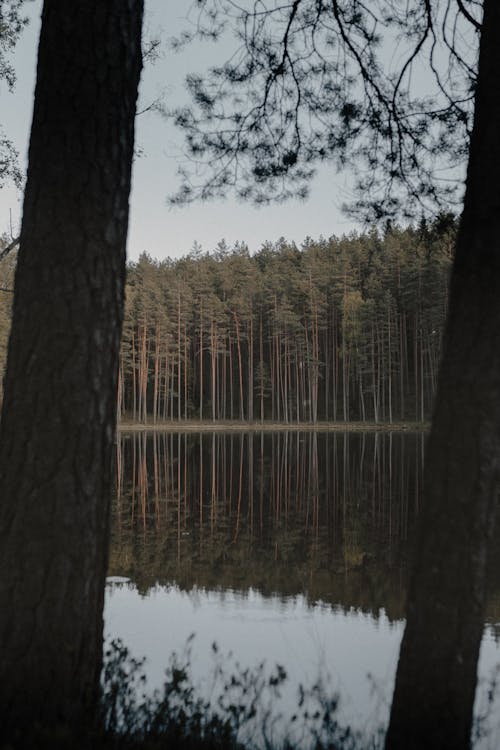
[6,250]
[468,16]
[310,81]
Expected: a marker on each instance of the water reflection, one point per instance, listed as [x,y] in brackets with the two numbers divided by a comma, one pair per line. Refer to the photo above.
[324,515]
[290,547]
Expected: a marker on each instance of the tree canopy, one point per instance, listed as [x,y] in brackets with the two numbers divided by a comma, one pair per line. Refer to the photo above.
[385,89]
[12,22]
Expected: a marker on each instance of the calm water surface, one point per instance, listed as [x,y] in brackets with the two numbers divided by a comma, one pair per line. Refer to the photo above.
[286,547]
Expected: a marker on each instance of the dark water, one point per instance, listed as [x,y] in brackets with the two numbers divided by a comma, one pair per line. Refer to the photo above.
[285,547]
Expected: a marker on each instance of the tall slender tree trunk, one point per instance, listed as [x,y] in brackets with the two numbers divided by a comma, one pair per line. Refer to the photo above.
[213,356]
[119,400]
[166,385]
[59,412]
[335,349]
[240,365]
[134,376]
[231,378]
[143,375]
[374,382]
[201,362]
[297,382]
[185,372]
[261,360]
[436,678]
[179,360]
[250,368]
[401,366]
[415,364]
[389,364]
[156,397]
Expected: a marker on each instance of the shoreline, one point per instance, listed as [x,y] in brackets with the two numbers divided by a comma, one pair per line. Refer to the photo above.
[238,426]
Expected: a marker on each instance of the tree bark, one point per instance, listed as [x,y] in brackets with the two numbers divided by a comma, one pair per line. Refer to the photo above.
[436,677]
[59,411]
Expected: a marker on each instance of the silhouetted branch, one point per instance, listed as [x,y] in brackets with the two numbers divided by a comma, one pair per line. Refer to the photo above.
[6,250]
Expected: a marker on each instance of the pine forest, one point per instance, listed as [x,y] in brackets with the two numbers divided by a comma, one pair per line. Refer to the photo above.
[340,329]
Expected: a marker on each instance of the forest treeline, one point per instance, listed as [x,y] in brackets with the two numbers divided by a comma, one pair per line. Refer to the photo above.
[338,329]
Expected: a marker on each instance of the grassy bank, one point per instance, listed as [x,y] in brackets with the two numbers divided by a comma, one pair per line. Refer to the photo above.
[237,426]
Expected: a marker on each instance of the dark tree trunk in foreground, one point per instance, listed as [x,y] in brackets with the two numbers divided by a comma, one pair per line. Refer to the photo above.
[436,678]
[58,417]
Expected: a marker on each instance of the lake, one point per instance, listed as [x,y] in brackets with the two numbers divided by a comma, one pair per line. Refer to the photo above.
[282,547]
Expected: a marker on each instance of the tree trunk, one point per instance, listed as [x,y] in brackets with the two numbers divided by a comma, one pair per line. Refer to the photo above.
[261,355]
[179,360]
[59,411]
[250,368]
[436,678]
[201,361]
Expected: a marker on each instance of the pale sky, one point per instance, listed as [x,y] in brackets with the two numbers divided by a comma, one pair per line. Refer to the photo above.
[156,228]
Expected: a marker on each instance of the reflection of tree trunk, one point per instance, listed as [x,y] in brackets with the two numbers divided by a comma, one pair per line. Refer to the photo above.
[59,411]
[143,477]
[213,493]
[200,461]
[240,489]
[251,439]
[119,476]
[156,478]
[165,472]
[179,496]
[436,677]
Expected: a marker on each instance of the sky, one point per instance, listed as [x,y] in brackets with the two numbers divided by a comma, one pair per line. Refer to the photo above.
[156,228]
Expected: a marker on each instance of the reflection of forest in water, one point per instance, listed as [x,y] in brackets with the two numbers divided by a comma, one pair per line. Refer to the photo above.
[329,515]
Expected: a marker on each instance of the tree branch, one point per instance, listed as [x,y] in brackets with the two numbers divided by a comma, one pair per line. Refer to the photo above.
[8,249]
[468,16]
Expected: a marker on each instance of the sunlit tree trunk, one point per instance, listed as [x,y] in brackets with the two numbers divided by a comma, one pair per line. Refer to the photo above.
[143,375]
[240,365]
[213,356]
[179,360]
[201,360]
[335,350]
[389,363]
[402,349]
[59,412]
[156,374]
[436,678]
[250,369]
[166,382]
[119,401]
[231,386]
[185,372]
[261,360]
[134,379]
